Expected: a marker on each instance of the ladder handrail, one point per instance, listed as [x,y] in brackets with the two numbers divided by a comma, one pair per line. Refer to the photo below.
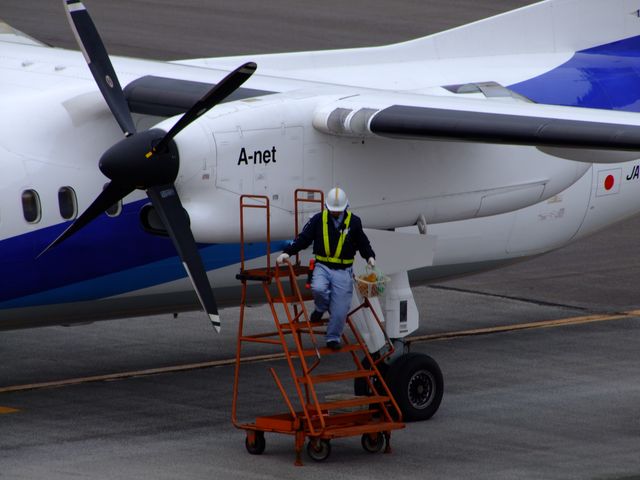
[372,363]
[311,198]
[285,347]
[306,371]
[298,295]
[391,350]
[266,206]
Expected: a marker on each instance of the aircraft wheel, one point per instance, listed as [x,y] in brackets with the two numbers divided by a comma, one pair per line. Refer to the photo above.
[319,449]
[373,442]
[257,446]
[416,383]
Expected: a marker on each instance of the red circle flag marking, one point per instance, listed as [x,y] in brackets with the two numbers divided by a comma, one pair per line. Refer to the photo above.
[609,182]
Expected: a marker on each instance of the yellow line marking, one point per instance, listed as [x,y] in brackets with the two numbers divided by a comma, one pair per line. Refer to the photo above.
[279,356]
[138,373]
[525,326]
[5,410]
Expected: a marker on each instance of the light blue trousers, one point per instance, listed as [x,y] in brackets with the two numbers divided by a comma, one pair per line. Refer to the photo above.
[332,290]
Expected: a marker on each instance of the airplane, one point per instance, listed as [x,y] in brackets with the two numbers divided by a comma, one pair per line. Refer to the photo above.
[461,151]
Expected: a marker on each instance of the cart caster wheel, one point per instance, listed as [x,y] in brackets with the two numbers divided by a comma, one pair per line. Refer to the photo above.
[319,449]
[373,442]
[257,446]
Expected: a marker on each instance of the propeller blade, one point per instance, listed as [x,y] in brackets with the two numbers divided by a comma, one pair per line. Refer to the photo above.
[111,194]
[167,204]
[219,92]
[99,63]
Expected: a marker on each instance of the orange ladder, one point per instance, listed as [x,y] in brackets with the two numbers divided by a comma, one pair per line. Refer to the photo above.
[296,336]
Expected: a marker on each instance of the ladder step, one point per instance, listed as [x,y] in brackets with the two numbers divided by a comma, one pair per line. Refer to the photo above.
[265,275]
[298,271]
[256,274]
[301,326]
[351,402]
[336,377]
[293,298]
[328,351]
[256,278]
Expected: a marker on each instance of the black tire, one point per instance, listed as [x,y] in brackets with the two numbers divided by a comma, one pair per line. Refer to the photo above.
[319,449]
[360,385]
[416,383]
[373,445]
[258,446]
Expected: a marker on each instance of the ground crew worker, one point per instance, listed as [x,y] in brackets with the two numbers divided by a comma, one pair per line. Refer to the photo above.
[336,234]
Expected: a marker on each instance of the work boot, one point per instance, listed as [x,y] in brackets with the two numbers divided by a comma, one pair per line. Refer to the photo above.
[333,345]
[316,316]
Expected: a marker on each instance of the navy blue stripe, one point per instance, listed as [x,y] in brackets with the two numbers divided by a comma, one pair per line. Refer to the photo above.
[105,247]
[136,278]
[606,77]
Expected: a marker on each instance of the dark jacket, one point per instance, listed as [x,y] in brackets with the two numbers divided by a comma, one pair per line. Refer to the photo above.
[356,239]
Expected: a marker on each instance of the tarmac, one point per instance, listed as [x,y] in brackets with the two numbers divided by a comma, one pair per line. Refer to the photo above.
[540,359]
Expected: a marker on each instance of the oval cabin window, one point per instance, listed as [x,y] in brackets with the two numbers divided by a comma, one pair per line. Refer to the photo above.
[31,208]
[67,203]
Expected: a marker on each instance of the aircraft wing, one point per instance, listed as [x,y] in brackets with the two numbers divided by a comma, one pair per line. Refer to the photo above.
[568,132]
[8,34]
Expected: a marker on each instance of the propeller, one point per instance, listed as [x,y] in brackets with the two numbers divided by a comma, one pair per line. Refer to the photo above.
[146,160]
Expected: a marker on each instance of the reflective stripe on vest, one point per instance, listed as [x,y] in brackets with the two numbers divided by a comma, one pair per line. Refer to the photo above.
[327,249]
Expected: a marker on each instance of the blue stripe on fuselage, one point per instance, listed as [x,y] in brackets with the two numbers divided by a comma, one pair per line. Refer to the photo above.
[606,77]
[108,257]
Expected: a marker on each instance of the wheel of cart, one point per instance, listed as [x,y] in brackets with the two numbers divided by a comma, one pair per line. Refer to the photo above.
[373,442]
[255,442]
[319,449]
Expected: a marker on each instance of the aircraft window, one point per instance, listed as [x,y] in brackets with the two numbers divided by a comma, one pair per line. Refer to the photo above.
[67,203]
[31,206]
[115,209]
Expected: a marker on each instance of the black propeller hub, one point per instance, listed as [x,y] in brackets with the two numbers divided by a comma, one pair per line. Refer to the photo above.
[134,161]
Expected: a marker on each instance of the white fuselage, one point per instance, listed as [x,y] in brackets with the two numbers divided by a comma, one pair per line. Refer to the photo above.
[487,204]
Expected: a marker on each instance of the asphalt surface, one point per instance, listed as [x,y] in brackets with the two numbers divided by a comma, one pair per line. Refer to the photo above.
[166,29]
[555,402]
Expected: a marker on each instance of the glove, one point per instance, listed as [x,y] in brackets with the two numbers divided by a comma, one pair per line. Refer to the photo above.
[282,257]
[371,261]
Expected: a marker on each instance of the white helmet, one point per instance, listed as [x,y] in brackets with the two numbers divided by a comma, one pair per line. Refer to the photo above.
[336,200]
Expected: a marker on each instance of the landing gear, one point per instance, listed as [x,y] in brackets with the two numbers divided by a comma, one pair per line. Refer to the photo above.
[416,382]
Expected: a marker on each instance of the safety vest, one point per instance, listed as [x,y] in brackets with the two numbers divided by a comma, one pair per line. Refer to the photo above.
[335,258]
